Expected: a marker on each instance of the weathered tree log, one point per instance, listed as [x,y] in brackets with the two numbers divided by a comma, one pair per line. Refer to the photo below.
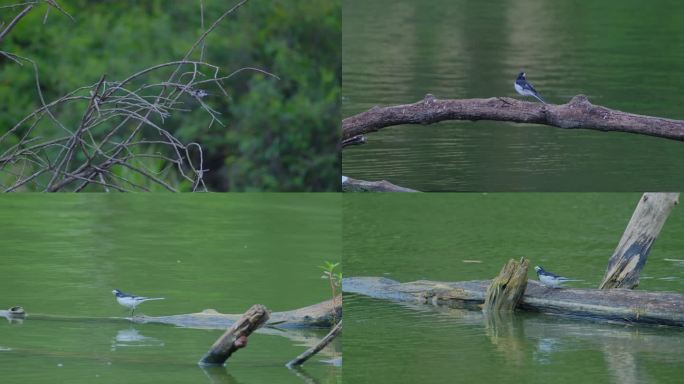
[236,336]
[506,290]
[664,308]
[317,315]
[629,258]
[577,113]
[354,185]
[306,355]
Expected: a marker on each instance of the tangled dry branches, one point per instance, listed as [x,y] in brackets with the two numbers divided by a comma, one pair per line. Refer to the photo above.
[120,142]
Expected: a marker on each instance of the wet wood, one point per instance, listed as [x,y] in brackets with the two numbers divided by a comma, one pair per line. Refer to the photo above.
[320,315]
[578,113]
[236,336]
[664,308]
[306,355]
[354,185]
[625,265]
[506,290]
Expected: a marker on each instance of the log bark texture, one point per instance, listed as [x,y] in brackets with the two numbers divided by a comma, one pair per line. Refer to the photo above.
[236,336]
[577,113]
[626,263]
[306,355]
[623,305]
[354,185]
[506,290]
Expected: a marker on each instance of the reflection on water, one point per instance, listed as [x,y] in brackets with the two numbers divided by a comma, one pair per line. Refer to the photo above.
[533,346]
[131,337]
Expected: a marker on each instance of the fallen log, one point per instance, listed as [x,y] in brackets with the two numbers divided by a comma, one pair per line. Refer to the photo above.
[306,355]
[578,113]
[236,336]
[629,258]
[663,308]
[318,315]
[355,185]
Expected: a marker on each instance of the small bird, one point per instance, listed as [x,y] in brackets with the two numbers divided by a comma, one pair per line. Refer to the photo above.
[549,279]
[523,87]
[131,301]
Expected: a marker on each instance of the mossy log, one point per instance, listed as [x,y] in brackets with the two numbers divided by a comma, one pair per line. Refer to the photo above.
[663,308]
[507,289]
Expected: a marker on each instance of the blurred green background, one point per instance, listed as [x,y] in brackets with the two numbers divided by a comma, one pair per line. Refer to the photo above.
[280,135]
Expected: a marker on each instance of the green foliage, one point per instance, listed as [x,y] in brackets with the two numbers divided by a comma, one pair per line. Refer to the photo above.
[279,135]
[334,279]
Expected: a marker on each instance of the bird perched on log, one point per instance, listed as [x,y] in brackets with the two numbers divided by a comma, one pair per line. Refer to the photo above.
[131,301]
[523,87]
[549,279]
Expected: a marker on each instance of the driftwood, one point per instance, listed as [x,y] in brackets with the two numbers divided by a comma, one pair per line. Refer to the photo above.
[577,113]
[236,336]
[622,305]
[629,258]
[318,315]
[507,289]
[354,185]
[301,359]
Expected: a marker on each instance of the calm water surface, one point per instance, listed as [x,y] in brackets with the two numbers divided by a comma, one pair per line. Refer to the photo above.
[454,237]
[622,54]
[62,255]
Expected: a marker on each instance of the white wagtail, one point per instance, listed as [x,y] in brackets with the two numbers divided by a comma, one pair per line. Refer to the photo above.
[551,280]
[523,87]
[131,301]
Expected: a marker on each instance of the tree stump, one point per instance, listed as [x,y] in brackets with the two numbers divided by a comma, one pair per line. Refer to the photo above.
[506,290]
[626,263]
[235,337]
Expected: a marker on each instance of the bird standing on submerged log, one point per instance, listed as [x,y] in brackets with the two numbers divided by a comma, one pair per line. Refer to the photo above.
[549,279]
[131,301]
[523,87]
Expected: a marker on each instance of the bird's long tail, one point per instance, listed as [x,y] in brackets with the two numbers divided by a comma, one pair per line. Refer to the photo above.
[536,95]
[152,298]
[566,280]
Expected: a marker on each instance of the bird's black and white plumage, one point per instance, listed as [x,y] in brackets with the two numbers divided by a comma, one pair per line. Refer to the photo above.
[549,279]
[131,301]
[523,87]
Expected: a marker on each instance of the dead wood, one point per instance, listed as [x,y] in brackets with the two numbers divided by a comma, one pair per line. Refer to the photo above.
[623,305]
[629,258]
[506,290]
[306,355]
[578,113]
[355,185]
[236,336]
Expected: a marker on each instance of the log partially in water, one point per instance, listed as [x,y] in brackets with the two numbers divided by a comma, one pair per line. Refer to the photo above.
[306,355]
[629,258]
[236,336]
[664,308]
[314,316]
[355,185]
[506,290]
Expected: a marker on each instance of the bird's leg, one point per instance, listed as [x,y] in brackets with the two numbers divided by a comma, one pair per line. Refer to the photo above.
[132,310]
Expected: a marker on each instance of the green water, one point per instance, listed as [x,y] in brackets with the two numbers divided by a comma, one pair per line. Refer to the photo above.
[626,55]
[454,237]
[63,255]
